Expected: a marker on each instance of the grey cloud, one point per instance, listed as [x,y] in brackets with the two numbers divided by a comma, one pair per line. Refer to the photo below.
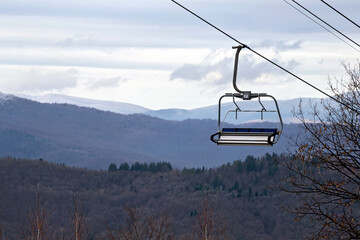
[192,72]
[279,46]
[248,70]
[36,80]
[106,83]
[156,23]
[79,40]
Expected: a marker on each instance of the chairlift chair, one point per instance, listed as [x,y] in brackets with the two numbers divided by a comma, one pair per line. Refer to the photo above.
[246,136]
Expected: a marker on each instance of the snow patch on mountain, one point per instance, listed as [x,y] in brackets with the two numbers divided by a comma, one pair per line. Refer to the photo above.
[116,107]
[287,108]
[5,97]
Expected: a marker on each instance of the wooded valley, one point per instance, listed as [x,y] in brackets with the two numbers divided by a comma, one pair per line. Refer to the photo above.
[237,197]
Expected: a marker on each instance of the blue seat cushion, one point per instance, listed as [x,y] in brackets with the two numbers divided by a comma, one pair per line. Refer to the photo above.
[254,130]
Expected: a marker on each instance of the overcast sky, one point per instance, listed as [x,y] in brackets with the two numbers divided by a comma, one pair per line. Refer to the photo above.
[154,54]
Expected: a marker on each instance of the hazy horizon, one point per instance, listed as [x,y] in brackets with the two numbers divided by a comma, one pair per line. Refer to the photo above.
[156,55]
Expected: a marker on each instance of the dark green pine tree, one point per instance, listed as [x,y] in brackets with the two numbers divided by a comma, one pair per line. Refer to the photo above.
[250,192]
[250,163]
[124,166]
[152,167]
[136,166]
[112,167]
[235,186]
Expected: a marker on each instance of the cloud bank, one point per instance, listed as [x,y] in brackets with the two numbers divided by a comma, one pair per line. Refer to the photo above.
[221,72]
[35,80]
[130,50]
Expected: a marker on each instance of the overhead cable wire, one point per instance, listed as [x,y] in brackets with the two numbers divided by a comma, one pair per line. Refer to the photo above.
[340,13]
[326,23]
[212,25]
[267,59]
[322,26]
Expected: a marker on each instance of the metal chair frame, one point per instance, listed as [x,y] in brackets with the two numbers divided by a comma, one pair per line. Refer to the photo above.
[254,136]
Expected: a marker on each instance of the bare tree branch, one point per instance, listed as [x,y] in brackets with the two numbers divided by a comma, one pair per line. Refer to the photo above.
[325,171]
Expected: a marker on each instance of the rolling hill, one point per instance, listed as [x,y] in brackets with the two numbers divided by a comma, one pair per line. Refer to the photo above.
[86,137]
[207,112]
[116,107]
[238,194]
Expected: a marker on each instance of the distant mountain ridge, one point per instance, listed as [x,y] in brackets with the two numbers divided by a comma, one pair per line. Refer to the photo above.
[117,107]
[286,107]
[87,137]
[207,112]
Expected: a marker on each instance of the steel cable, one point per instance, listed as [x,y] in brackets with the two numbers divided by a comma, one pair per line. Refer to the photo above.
[267,59]
[340,13]
[322,26]
[326,23]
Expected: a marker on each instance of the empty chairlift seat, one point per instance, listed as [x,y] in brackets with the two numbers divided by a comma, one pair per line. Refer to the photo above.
[246,136]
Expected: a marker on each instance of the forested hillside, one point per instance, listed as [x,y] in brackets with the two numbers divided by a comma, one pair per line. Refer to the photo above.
[85,137]
[239,194]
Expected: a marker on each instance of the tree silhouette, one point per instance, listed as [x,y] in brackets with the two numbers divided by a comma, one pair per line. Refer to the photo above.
[325,172]
[112,167]
[37,225]
[140,226]
[77,220]
[210,225]
[124,166]
[1,233]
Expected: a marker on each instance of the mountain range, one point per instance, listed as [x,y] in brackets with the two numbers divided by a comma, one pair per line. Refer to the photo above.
[116,107]
[287,108]
[88,137]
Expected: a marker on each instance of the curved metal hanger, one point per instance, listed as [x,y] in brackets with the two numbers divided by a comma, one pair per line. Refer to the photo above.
[245,95]
[236,68]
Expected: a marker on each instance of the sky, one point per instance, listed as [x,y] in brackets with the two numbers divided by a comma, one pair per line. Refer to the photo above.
[154,54]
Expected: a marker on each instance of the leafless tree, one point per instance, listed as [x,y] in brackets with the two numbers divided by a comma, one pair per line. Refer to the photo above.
[77,220]
[210,225]
[37,225]
[1,233]
[141,226]
[325,171]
